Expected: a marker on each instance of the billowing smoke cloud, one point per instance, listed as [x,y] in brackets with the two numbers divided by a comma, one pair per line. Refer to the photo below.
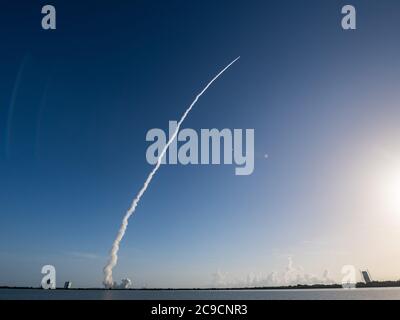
[291,276]
[108,278]
[125,284]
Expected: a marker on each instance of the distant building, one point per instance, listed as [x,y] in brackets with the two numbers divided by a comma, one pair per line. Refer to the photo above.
[366,276]
[68,285]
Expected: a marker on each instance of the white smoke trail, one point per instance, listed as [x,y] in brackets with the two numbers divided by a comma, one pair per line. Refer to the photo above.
[108,279]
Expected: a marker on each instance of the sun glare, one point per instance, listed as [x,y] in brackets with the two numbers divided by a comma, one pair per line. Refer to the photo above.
[390,190]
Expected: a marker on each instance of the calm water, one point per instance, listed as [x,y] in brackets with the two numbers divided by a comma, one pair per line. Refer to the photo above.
[324,294]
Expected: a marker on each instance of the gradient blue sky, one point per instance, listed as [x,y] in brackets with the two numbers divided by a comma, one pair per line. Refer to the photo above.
[76,104]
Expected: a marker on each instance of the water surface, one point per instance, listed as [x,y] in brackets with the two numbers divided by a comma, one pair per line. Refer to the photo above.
[307,294]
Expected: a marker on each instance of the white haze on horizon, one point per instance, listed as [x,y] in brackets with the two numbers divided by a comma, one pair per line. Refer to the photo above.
[291,276]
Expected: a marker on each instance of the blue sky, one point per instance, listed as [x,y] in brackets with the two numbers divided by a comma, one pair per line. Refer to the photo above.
[76,104]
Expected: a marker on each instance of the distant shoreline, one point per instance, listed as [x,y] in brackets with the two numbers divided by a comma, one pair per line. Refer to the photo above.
[359,285]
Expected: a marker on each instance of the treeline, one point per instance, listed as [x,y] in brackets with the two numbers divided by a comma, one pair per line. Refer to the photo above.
[379,284]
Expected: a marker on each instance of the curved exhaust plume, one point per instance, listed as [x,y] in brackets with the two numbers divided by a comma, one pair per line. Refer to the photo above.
[108,279]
